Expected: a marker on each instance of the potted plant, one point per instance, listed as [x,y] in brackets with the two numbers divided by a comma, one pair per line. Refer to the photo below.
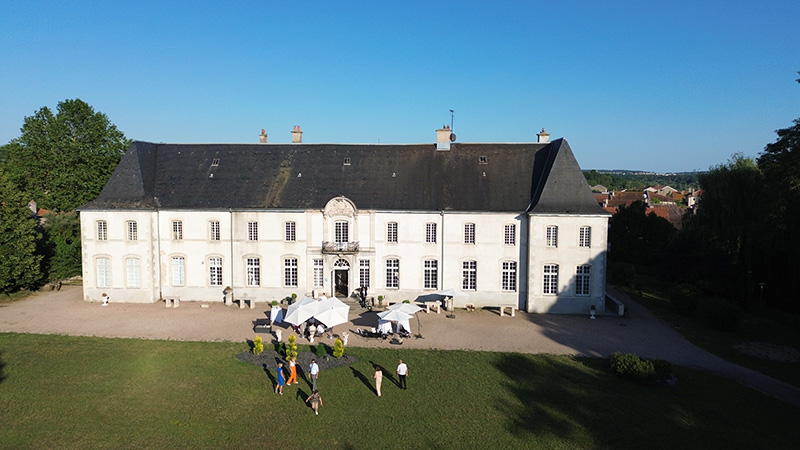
[380,301]
[592,312]
[293,299]
[274,303]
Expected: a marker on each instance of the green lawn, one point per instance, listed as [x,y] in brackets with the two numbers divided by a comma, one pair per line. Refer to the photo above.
[71,392]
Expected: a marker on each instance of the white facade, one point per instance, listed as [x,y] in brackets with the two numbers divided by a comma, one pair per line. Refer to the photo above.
[496,258]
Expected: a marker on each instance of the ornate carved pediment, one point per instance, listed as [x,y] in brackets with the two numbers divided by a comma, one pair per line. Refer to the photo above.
[340,207]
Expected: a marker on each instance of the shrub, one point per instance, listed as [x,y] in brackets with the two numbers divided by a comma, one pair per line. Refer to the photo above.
[291,350]
[320,350]
[258,345]
[720,314]
[663,369]
[631,367]
[274,303]
[338,348]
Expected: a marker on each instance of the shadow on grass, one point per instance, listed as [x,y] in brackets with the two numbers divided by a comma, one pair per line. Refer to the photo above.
[364,379]
[271,377]
[2,368]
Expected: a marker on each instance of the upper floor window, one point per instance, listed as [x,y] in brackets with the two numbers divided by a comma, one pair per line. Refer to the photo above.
[341,232]
[213,230]
[102,230]
[509,276]
[585,237]
[133,231]
[177,230]
[582,279]
[392,273]
[252,231]
[133,272]
[469,233]
[430,233]
[510,234]
[431,274]
[253,272]
[290,232]
[552,236]
[550,279]
[290,272]
[469,275]
[178,271]
[391,232]
[215,271]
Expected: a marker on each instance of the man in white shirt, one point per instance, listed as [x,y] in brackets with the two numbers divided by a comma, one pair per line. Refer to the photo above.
[402,373]
[313,369]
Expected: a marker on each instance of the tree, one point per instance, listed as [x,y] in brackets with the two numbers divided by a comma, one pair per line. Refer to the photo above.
[637,237]
[63,160]
[62,242]
[20,266]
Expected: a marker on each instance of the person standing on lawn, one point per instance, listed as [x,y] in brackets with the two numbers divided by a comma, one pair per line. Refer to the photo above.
[292,371]
[402,373]
[316,401]
[378,379]
[313,369]
[279,387]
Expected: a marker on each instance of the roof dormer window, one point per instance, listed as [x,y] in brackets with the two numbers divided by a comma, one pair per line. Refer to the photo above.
[215,162]
[347,161]
[482,160]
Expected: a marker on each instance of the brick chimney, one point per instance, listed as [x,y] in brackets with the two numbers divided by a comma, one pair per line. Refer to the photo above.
[443,138]
[262,138]
[297,135]
[544,137]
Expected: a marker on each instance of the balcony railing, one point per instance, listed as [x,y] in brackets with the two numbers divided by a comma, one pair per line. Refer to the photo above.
[339,247]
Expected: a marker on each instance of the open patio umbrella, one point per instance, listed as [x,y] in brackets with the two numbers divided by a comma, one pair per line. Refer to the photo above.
[394,315]
[301,310]
[409,308]
[453,293]
[332,312]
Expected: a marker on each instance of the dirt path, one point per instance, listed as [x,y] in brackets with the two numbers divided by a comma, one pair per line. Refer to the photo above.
[64,312]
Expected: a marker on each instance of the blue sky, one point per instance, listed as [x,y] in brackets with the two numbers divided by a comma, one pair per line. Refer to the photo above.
[658,86]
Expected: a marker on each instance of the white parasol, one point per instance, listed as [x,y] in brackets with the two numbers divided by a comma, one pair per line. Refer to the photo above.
[332,312]
[301,310]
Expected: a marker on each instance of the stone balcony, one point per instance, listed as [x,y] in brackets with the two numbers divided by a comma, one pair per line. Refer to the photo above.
[339,247]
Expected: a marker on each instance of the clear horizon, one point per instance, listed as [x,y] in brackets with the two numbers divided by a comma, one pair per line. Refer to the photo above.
[663,88]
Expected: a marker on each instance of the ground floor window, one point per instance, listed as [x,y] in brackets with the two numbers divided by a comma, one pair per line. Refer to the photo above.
[253,271]
[550,279]
[215,271]
[178,271]
[290,272]
[392,273]
[319,272]
[582,278]
[103,272]
[509,276]
[431,275]
[133,272]
[363,272]
[469,275]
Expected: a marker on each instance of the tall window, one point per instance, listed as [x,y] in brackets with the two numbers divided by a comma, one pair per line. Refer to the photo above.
[253,272]
[319,271]
[290,272]
[102,230]
[132,272]
[341,234]
[178,271]
[291,234]
[430,233]
[550,279]
[177,230]
[391,232]
[469,275]
[392,273]
[585,237]
[103,272]
[582,278]
[213,230]
[552,236]
[509,276]
[252,231]
[215,271]
[469,233]
[431,274]
[510,234]
[363,272]
[133,231]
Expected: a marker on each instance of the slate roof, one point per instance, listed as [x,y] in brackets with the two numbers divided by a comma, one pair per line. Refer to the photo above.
[413,177]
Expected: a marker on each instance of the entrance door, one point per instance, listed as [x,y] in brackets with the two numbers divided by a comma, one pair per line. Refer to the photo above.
[341,286]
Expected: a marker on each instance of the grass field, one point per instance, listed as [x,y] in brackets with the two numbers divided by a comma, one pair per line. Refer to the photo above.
[71,392]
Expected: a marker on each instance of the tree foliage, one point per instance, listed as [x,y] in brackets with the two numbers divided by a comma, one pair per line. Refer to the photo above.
[62,245]
[20,266]
[637,237]
[63,160]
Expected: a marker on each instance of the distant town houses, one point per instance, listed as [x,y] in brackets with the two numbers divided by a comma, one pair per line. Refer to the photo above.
[663,201]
